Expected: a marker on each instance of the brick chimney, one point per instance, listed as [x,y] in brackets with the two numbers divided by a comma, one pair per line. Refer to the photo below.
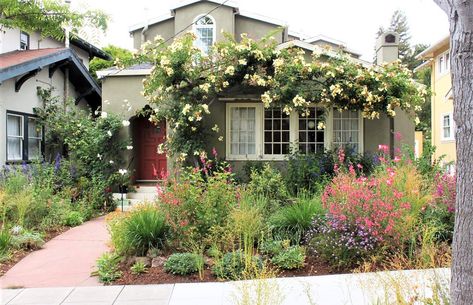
[387,47]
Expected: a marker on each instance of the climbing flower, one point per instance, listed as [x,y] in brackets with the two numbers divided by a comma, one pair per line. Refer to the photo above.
[99,156]
[109,133]
[230,70]
[126,123]
[186,109]
[321,126]
[111,162]
[103,115]
[129,147]
[122,171]
[205,107]
[220,139]
[243,62]
[215,128]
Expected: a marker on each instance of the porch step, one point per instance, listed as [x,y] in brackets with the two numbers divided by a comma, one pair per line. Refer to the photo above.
[145,189]
[142,196]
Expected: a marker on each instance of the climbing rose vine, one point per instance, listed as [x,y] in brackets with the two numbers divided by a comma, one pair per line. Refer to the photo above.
[184,83]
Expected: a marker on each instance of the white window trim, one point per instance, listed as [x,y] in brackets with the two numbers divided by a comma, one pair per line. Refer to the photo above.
[445,68]
[452,127]
[213,27]
[40,138]
[329,134]
[293,134]
[27,40]
[21,136]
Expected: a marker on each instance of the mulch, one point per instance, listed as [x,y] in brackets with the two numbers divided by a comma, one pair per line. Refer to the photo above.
[157,275]
[18,254]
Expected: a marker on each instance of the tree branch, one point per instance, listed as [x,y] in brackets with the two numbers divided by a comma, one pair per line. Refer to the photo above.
[445,5]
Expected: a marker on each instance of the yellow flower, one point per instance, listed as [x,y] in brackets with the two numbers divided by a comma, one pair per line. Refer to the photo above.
[321,126]
[205,87]
[205,107]
[266,99]
[243,62]
[417,121]
[186,109]
[220,139]
[230,70]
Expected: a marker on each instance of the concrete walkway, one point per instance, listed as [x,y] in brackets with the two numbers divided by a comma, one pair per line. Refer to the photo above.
[66,260]
[343,289]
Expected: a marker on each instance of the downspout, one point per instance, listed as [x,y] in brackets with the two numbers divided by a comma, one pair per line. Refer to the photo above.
[145,29]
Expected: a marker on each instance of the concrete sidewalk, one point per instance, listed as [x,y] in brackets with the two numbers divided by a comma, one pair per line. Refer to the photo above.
[356,289]
[66,260]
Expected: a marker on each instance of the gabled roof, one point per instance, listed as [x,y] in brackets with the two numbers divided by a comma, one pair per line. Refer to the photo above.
[24,64]
[89,48]
[429,52]
[190,2]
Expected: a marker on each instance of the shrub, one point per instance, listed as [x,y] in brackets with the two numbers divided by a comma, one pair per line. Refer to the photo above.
[273,247]
[5,242]
[233,265]
[108,268]
[290,258]
[291,222]
[268,183]
[73,218]
[144,228]
[182,263]
[138,268]
[341,245]
[27,240]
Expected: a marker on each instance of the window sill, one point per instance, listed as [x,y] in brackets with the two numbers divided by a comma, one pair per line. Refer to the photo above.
[256,158]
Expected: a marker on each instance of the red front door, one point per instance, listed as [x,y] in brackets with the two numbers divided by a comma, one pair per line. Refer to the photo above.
[150,164]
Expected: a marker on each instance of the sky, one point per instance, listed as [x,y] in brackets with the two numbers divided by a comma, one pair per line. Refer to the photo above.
[355,22]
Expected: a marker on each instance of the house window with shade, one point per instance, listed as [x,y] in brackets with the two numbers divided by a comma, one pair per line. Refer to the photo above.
[346,129]
[24,137]
[204,29]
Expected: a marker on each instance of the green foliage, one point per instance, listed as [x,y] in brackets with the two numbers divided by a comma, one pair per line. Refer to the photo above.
[233,265]
[273,247]
[48,17]
[117,53]
[291,221]
[268,183]
[27,240]
[290,258]
[108,268]
[185,80]
[5,242]
[143,229]
[73,219]
[182,263]
[139,268]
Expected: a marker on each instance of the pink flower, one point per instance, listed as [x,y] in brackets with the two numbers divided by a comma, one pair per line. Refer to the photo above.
[214,152]
[397,159]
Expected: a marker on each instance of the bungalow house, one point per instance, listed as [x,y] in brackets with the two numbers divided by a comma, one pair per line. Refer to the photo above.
[250,132]
[28,62]
[443,127]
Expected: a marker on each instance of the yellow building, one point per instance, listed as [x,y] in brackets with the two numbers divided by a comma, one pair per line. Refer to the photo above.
[443,126]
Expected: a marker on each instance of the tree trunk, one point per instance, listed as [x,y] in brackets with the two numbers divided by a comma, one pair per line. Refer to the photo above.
[460,14]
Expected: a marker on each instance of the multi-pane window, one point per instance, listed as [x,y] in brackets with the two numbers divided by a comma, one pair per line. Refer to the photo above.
[311,138]
[24,41]
[447,127]
[444,62]
[346,129]
[276,132]
[35,138]
[14,137]
[243,131]
[24,137]
[204,29]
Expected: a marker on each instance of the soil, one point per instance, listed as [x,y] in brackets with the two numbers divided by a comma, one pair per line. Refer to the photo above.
[157,275]
[18,255]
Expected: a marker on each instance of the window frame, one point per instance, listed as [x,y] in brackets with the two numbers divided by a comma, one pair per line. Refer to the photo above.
[40,138]
[27,41]
[24,138]
[195,26]
[451,127]
[361,140]
[443,63]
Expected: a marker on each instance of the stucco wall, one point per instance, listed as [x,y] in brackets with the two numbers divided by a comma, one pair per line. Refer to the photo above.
[165,29]
[119,88]
[256,29]
[26,99]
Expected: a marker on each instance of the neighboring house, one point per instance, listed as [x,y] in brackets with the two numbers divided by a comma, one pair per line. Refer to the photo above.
[29,61]
[250,131]
[443,126]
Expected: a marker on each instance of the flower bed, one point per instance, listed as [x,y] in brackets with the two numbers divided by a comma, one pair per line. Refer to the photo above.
[396,217]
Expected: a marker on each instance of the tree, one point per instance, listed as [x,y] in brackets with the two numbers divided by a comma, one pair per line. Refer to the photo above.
[117,53]
[460,14]
[49,17]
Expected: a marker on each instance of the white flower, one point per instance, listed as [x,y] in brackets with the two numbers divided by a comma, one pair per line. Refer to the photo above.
[220,138]
[417,121]
[321,126]
[266,99]
[129,147]
[205,87]
[205,107]
[243,62]
[109,133]
[99,156]
[111,162]
[122,171]
[230,70]
[126,123]
[186,109]
[103,115]
[215,128]
[160,148]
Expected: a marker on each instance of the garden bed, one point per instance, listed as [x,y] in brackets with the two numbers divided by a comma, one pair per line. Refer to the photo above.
[157,275]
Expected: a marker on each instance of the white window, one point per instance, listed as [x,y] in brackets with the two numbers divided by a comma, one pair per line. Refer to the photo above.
[243,130]
[276,132]
[24,41]
[35,138]
[311,138]
[204,29]
[347,127]
[444,62]
[447,127]
[14,137]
